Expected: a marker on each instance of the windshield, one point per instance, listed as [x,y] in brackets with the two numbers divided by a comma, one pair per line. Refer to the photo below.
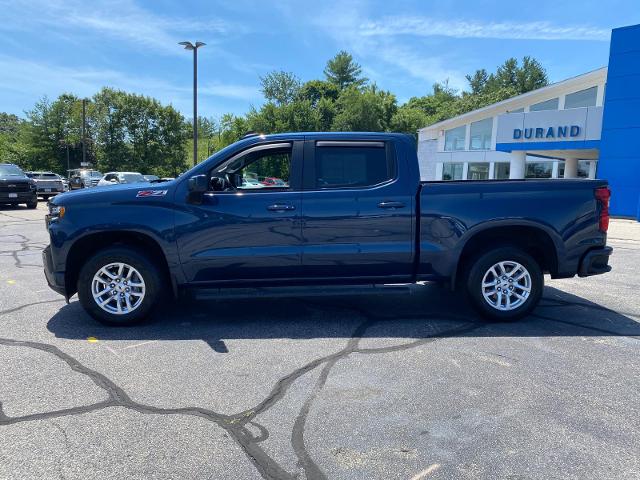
[46,176]
[131,178]
[10,170]
[95,173]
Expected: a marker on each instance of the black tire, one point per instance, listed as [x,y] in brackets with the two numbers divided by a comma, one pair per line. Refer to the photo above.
[33,204]
[476,273]
[154,285]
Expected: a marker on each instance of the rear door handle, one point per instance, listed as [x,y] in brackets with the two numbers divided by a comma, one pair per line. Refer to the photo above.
[391,205]
[280,207]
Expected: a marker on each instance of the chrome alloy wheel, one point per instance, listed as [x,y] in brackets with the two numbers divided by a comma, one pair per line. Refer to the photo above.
[118,288]
[506,285]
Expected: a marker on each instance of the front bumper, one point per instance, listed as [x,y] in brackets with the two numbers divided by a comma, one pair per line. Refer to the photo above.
[50,190]
[595,262]
[54,279]
[18,197]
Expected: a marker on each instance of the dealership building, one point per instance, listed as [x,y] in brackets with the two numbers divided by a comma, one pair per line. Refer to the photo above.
[583,127]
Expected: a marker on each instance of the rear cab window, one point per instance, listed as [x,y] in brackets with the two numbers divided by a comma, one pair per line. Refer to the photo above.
[352,164]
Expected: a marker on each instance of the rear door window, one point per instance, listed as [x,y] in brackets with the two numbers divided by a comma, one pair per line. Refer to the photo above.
[352,165]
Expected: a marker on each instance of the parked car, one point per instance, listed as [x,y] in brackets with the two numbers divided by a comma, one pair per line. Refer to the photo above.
[83,178]
[16,187]
[273,182]
[48,184]
[151,178]
[251,183]
[115,178]
[355,212]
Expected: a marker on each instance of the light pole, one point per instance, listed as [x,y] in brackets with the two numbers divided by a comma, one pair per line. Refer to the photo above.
[84,127]
[64,144]
[191,46]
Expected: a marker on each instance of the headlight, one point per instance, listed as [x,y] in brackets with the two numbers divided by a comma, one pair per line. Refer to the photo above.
[32,185]
[56,211]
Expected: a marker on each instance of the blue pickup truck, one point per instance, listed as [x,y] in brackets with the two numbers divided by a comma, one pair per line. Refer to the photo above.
[320,209]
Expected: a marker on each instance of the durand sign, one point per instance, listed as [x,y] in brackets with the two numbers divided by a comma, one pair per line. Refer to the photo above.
[566,131]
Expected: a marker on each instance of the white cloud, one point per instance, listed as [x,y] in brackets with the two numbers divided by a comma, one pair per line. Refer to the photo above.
[38,78]
[428,27]
[345,29]
[122,20]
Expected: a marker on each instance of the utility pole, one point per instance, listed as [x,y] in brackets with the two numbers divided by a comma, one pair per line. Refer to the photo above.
[84,140]
[191,46]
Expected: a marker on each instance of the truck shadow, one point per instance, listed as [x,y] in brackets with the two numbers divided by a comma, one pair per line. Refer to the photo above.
[432,311]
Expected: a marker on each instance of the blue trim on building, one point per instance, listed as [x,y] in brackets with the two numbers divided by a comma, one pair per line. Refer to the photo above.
[570,145]
[619,161]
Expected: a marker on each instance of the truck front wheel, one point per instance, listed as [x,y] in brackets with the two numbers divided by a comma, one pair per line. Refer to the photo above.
[505,284]
[119,286]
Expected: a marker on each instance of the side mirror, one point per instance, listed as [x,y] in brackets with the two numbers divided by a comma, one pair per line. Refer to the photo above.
[198,184]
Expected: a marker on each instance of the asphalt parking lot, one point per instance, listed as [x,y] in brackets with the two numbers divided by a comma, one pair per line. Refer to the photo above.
[376,386]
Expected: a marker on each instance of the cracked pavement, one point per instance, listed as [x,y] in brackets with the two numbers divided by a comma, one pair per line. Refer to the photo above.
[406,385]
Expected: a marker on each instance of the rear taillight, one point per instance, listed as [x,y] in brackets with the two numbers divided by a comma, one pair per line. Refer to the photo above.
[603,195]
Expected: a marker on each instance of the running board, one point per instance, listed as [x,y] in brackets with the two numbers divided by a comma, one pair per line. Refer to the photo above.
[303,291]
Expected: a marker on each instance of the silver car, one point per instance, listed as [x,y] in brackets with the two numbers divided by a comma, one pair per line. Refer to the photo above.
[115,178]
[48,184]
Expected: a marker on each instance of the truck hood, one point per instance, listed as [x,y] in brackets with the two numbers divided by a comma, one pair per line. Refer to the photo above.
[14,178]
[112,193]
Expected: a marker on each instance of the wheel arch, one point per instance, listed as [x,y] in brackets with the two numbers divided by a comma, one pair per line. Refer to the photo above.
[543,245]
[86,246]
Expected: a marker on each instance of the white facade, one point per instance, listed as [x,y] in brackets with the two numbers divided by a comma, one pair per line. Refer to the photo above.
[552,132]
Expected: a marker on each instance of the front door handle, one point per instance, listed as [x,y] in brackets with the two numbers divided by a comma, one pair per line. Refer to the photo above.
[391,205]
[280,207]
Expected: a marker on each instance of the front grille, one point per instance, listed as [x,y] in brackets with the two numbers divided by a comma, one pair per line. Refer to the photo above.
[49,184]
[14,187]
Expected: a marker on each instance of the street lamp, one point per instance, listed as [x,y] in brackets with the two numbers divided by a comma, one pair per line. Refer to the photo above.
[191,46]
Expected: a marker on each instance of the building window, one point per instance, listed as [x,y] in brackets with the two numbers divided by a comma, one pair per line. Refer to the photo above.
[539,170]
[546,105]
[452,171]
[501,171]
[583,98]
[478,171]
[481,134]
[583,168]
[454,139]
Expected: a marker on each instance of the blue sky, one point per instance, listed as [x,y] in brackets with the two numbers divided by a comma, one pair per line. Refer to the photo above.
[48,47]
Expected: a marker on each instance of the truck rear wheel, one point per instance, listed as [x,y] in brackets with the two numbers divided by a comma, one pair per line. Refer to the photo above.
[505,284]
[119,286]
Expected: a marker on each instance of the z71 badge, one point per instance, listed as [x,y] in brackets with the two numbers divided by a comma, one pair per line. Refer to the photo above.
[151,193]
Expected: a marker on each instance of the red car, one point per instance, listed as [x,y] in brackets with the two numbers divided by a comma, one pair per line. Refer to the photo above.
[273,182]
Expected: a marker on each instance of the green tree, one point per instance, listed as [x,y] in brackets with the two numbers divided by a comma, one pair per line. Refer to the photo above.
[408,120]
[343,71]
[280,87]
[509,76]
[13,147]
[363,110]
[316,90]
